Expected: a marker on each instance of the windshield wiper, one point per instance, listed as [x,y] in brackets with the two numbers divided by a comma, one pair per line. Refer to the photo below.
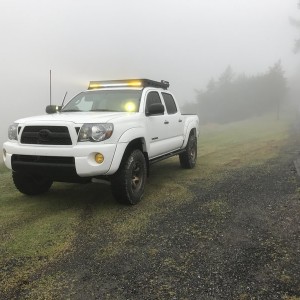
[71,110]
[103,109]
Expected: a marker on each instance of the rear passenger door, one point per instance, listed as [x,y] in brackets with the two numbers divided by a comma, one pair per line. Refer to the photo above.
[174,121]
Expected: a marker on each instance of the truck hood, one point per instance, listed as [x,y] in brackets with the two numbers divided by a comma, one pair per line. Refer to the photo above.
[76,118]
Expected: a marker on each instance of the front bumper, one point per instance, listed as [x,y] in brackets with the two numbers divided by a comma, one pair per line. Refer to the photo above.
[75,161]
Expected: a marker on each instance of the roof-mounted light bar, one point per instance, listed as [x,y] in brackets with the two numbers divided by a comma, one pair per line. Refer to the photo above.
[128,83]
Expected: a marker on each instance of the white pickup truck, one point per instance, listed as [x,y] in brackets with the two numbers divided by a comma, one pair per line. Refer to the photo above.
[112,131]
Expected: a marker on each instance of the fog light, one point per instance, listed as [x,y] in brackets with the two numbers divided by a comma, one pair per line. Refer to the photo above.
[99,158]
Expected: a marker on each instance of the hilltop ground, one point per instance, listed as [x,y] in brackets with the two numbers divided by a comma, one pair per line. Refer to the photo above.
[229,229]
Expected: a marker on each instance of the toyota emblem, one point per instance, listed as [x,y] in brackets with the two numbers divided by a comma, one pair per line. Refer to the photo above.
[44,135]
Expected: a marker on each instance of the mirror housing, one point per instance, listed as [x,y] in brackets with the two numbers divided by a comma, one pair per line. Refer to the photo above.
[52,109]
[155,109]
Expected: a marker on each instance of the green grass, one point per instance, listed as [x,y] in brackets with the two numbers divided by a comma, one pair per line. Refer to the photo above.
[3,168]
[36,231]
[242,143]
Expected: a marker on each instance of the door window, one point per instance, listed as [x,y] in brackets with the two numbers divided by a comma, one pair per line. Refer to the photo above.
[170,103]
[152,97]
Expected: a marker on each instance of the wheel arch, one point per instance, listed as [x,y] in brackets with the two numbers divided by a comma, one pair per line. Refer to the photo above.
[191,129]
[138,143]
[124,149]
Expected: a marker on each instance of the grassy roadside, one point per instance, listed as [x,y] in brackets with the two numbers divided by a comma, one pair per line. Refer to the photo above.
[243,143]
[38,231]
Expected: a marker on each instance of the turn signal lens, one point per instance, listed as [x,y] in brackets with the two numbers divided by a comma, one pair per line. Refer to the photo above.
[99,158]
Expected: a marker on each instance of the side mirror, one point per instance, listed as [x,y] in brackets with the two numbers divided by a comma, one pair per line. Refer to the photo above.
[155,109]
[52,109]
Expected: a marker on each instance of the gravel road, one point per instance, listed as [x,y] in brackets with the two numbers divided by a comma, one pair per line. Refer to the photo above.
[237,238]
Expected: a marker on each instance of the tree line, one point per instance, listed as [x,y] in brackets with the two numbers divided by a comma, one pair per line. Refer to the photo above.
[236,97]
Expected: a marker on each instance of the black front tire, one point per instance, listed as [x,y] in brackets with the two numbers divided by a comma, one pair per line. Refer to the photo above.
[31,184]
[188,158]
[128,183]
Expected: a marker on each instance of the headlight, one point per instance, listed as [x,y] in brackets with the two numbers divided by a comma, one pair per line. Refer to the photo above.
[95,132]
[13,131]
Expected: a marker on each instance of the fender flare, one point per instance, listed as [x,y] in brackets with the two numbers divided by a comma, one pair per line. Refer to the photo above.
[187,130]
[124,140]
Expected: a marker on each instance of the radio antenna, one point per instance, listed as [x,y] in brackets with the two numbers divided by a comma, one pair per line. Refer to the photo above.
[64,99]
[50,88]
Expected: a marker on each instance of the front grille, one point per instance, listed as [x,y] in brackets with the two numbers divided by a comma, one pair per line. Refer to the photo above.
[46,135]
[44,159]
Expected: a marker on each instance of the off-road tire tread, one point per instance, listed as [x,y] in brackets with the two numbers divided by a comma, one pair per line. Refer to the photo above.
[120,183]
[185,159]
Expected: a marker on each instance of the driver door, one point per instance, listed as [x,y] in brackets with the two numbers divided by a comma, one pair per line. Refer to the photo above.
[156,128]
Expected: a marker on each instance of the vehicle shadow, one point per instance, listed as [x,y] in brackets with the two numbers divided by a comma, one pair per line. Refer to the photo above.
[66,195]
[94,196]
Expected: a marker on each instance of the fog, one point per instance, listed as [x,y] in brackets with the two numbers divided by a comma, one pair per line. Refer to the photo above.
[184,42]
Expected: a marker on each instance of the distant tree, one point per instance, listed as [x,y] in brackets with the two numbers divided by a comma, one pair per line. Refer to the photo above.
[277,85]
[296,23]
[211,86]
[226,77]
[233,98]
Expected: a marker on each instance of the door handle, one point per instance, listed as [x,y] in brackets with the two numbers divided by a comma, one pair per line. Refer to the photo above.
[179,120]
[166,122]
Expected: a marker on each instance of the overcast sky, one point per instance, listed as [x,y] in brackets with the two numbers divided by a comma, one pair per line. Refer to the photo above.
[186,42]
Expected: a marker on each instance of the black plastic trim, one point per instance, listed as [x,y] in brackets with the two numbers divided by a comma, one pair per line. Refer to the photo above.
[165,156]
[56,168]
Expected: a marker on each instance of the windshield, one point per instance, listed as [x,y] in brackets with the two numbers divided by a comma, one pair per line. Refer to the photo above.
[105,100]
